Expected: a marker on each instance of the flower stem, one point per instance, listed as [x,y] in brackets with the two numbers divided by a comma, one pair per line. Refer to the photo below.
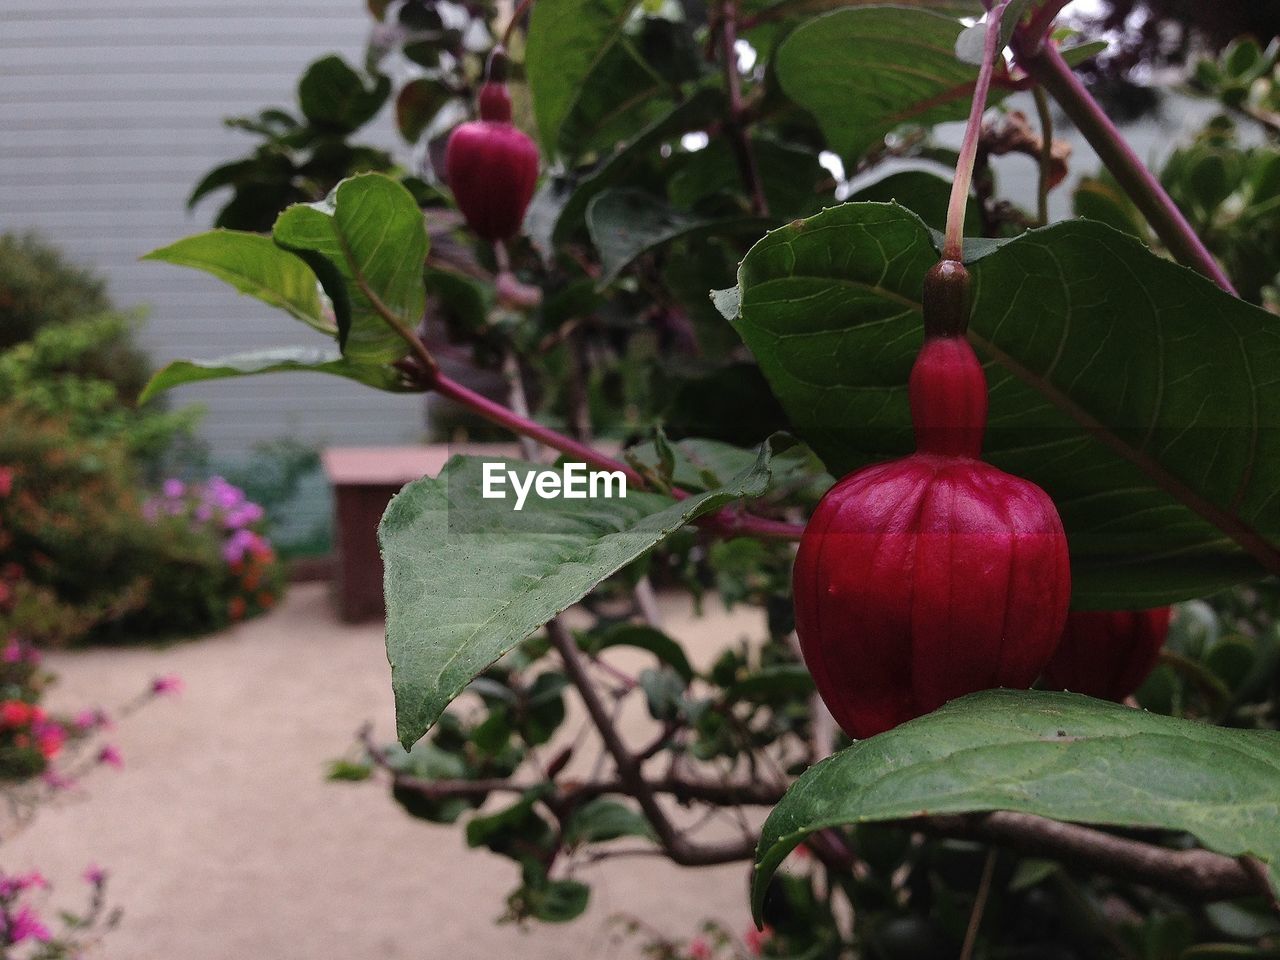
[1051,71]
[729,521]
[516,15]
[953,246]
[1046,153]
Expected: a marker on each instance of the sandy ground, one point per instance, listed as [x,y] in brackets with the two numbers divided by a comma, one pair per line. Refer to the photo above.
[223,839]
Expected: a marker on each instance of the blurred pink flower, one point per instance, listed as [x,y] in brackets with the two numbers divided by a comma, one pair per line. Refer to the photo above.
[24,924]
[699,949]
[95,875]
[111,756]
[56,781]
[174,488]
[11,886]
[756,939]
[95,719]
[240,543]
[50,737]
[6,481]
[16,713]
[13,651]
[170,683]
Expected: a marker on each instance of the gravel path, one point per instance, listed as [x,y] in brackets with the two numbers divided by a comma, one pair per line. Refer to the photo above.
[223,840]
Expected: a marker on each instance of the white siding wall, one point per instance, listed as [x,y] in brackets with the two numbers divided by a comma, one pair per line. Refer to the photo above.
[109,113]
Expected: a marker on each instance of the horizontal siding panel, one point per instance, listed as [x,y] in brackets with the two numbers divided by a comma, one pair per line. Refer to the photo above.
[110,114]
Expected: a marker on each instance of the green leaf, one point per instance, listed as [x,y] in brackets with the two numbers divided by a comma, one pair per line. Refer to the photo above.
[554,901]
[864,71]
[1058,755]
[971,43]
[769,683]
[366,242]
[276,360]
[335,96]
[1130,388]
[927,193]
[254,265]
[642,637]
[663,693]
[468,578]
[601,820]
[348,771]
[703,106]
[624,223]
[417,103]
[590,84]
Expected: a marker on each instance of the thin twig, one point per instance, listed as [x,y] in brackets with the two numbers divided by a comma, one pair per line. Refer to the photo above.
[1199,874]
[1045,115]
[679,849]
[979,906]
[736,125]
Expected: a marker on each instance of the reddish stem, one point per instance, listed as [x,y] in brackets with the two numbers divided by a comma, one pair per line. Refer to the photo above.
[1051,71]
[953,246]
[1041,22]
[515,18]
[521,426]
[748,169]
[729,521]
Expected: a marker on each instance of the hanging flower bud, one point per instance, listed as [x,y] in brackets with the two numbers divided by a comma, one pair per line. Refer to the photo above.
[926,578]
[491,165]
[1108,653]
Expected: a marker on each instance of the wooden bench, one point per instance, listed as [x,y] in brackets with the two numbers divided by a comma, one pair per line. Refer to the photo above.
[364,479]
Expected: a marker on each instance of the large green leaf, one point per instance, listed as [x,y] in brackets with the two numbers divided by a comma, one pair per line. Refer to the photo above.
[864,71]
[468,578]
[254,265]
[590,83]
[1130,388]
[334,96]
[624,223]
[366,242]
[700,109]
[1059,755]
[279,360]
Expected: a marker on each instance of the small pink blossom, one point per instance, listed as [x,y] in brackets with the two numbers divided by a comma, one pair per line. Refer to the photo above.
[6,481]
[95,719]
[50,737]
[24,924]
[94,875]
[111,757]
[57,781]
[756,939]
[699,949]
[174,488]
[11,886]
[13,652]
[169,684]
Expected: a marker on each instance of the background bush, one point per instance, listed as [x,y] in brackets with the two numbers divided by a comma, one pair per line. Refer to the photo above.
[85,553]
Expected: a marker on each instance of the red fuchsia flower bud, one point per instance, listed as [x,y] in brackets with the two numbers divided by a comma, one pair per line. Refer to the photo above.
[1108,653]
[926,578]
[492,167]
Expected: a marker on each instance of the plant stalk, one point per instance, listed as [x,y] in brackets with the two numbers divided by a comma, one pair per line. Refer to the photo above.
[1047,67]
[953,245]
[747,166]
